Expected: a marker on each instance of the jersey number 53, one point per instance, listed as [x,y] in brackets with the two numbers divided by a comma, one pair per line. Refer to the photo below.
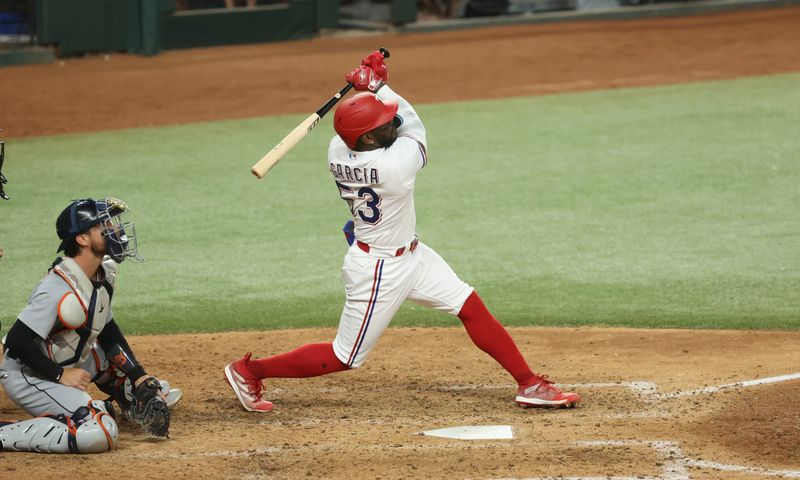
[368,200]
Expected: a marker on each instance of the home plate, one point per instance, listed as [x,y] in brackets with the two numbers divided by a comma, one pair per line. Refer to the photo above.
[486,432]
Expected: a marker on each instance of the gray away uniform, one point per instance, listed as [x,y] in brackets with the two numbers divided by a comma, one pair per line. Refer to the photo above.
[67,311]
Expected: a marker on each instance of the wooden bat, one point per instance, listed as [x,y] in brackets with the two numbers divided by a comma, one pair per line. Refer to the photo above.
[289,141]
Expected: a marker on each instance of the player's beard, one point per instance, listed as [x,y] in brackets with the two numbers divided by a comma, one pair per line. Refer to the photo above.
[99,248]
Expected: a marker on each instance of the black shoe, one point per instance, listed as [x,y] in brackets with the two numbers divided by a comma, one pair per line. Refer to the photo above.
[109,404]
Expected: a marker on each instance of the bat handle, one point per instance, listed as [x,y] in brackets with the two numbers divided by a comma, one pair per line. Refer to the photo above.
[330,103]
[335,99]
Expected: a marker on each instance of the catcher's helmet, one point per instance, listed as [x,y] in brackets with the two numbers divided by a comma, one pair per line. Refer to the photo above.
[360,114]
[83,214]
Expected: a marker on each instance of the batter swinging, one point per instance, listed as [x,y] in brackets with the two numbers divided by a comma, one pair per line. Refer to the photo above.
[374,160]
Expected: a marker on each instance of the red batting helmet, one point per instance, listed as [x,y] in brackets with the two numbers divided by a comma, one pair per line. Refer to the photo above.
[360,114]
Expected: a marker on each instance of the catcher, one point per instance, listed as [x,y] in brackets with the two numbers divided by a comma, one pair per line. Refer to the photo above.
[66,338]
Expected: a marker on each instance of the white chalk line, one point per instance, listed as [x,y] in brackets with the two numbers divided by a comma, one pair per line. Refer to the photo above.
[746,383]
[738,468]
[639,387]
[675,465]
[647,390]
[251,452]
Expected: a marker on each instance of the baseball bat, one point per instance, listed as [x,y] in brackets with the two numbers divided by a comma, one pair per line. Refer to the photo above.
[263,166]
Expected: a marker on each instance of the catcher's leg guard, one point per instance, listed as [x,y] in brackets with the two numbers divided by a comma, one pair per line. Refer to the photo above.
[90,430]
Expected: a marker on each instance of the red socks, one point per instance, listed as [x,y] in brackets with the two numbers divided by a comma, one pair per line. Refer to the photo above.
[485,331]
[491,337]
[309,360]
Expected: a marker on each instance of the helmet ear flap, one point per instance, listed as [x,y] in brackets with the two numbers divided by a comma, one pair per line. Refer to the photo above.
[78,217]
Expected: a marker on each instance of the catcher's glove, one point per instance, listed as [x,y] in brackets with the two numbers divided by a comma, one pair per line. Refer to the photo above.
[149,409]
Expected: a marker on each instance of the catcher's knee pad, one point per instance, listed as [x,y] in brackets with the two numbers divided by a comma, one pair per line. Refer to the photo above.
[88,430]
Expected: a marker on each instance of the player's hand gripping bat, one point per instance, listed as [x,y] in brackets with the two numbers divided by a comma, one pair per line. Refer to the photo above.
[289,141]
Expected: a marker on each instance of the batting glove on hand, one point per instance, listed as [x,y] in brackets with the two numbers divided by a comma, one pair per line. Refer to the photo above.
[364,79]
[376,62]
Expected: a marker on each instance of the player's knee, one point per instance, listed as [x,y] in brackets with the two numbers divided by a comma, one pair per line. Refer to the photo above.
[91,429]
[98,433]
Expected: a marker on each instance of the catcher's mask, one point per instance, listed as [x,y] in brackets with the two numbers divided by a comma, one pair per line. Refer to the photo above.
[83,214]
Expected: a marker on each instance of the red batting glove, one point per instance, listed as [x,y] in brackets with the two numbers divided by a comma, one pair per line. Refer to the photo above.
[376,62]
[364,78]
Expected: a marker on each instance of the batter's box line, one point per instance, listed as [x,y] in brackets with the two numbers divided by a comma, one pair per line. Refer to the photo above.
[642,388]
[728,386]
[647,390]
[674,463]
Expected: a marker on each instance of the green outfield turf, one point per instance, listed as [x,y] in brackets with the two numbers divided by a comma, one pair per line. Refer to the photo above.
[673,206]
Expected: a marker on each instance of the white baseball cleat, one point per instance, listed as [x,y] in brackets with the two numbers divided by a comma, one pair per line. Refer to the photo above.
[248,389]
[172,395]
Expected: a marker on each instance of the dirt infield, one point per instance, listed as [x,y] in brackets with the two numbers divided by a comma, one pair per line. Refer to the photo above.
[642,410]
[657,403]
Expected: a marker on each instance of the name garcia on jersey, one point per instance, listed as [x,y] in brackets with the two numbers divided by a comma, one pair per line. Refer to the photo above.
[347,173]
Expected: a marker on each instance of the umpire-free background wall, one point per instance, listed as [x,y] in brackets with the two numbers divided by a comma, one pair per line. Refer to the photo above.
[149,26]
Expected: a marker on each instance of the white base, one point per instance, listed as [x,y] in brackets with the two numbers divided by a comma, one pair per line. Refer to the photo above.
[486,432]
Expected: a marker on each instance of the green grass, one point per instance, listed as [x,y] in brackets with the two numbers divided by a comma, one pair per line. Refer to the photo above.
[673,206]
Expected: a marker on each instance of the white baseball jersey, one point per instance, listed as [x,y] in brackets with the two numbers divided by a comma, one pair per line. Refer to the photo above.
[389,266]
[379,184]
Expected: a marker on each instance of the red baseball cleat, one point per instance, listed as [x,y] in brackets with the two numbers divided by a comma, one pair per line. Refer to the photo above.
[544,394]
[247,388]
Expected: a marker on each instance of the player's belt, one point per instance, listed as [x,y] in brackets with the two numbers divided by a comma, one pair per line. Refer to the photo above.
[411,247]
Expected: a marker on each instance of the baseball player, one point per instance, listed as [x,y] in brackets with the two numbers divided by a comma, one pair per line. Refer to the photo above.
[374,160]
[66,338]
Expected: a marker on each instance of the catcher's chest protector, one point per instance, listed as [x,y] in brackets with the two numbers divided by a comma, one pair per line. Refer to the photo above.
[82,313]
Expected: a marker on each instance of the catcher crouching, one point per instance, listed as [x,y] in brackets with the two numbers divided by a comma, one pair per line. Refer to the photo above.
[66,338]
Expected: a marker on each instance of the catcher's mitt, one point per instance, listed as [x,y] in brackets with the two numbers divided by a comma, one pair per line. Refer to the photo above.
[149,409]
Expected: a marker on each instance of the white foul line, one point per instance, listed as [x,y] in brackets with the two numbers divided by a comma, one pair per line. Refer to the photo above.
[747,383]
[642,388]
[739,468]
[675,464]
[648,390]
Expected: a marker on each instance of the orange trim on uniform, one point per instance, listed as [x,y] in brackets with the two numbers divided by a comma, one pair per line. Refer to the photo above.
[96,359]
[108,435]
[61,319]
[71,427]
[64,277]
